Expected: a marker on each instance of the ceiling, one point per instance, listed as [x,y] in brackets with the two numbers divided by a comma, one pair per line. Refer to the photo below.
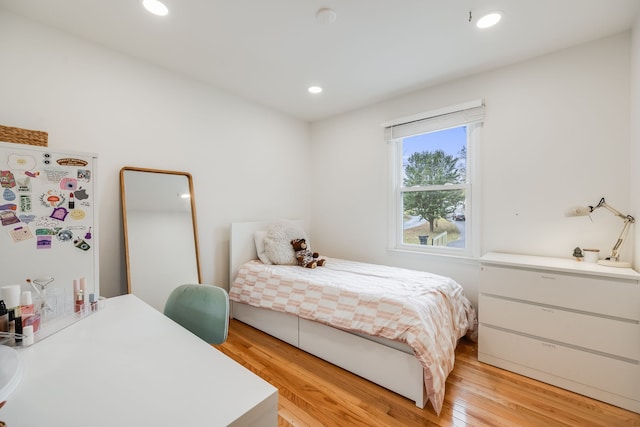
[270,52]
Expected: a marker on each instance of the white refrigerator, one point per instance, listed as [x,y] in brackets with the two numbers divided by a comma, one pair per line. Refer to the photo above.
[48,225]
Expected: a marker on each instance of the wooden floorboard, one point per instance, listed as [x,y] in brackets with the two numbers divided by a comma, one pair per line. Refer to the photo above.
[312,392]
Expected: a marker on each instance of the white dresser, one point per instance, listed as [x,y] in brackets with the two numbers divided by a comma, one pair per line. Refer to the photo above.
[567,323]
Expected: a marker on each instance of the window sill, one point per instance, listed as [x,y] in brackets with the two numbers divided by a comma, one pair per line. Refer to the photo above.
[457,257]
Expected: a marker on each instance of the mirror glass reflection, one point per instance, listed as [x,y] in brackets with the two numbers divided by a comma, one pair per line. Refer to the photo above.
[160,232]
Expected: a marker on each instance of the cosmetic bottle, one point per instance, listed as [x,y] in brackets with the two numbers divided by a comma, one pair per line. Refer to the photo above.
[79,303]
[11,328]
[11,295]
[28,332]
[33,321]
[4,317]
[93,302]
[83,285]
[17,320]
[26,304]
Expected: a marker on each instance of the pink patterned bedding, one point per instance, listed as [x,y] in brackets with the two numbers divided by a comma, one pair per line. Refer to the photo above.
[426,311]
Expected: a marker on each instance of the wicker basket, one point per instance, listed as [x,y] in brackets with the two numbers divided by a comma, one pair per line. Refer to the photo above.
[23,136]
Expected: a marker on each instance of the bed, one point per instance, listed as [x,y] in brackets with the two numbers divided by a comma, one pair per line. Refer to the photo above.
[348,313]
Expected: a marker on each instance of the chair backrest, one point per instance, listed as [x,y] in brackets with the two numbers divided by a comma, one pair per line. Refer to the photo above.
[202,309]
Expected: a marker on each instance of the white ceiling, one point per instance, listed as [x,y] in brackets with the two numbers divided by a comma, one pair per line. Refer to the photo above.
[271,51]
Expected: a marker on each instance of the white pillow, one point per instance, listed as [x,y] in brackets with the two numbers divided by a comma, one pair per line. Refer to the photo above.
[277,242]
[259,239]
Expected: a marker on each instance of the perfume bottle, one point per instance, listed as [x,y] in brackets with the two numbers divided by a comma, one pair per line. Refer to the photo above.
[4,317]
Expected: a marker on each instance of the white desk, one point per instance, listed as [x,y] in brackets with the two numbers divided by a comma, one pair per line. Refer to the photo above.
[129,365]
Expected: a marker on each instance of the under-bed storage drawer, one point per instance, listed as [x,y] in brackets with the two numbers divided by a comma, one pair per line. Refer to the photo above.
[280,325]
[339,347]
[593,370]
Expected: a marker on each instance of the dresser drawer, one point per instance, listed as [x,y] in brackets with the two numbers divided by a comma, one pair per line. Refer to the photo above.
[593,370]
[606,296]
[556,325]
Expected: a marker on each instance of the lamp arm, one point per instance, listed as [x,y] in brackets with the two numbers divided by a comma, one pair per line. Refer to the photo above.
[603,204]
[616,212]
[615,255]
[628,220]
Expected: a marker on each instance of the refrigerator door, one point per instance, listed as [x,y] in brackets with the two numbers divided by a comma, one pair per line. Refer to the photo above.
[48,232]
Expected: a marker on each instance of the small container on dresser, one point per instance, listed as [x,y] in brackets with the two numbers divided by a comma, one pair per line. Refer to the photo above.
[573,325]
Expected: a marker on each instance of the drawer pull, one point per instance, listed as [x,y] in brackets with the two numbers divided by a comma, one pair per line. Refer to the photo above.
[548,310]
[551,346]
[545,276]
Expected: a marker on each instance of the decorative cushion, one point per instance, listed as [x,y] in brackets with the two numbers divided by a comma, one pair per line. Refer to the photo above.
[259,239]
[277,242]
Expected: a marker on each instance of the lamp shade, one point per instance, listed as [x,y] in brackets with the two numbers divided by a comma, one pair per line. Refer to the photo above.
[579,211]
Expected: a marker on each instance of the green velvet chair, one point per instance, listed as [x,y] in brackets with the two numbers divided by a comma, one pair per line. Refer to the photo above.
[202,309]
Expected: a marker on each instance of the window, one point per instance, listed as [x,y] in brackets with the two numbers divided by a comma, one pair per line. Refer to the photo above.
[432,181]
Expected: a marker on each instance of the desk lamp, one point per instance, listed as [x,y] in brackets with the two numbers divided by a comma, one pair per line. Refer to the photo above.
[613,260]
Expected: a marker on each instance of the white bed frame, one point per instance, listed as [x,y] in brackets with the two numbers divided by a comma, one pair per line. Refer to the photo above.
[387,363]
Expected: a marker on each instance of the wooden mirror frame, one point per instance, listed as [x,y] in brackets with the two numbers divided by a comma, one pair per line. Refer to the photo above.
[127,233]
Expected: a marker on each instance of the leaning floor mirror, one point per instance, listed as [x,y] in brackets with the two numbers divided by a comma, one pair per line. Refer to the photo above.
[160,232]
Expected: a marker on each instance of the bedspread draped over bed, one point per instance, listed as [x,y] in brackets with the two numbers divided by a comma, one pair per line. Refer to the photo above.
[427,312]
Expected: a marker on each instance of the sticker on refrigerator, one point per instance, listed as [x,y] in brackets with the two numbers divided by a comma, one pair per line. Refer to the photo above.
[43,242]
[81,194]
[21,162]
[65,235]
[23,185]
[25,203]
[55,175]
[59,213]
[7,180]
[27,218]
[52,199]
[8,218]
[81,244]
[70,161]
[77,214]
[69,184]
[72,201]
[46,222]
[84,175]
[20,234]
[8,195]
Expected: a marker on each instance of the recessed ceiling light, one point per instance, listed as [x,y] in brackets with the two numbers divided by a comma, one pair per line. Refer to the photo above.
[156,7]
[489,19]
[315,89]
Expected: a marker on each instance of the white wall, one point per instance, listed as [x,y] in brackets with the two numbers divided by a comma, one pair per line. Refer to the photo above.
[245,159]
[635,136]
[556,135]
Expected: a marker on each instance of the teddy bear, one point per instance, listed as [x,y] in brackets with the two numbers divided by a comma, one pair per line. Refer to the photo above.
[304,256]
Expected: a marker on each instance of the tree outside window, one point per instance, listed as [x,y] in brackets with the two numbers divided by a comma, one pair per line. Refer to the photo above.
[434,188]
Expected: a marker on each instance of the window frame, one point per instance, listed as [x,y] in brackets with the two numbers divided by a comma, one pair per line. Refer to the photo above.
[437,120]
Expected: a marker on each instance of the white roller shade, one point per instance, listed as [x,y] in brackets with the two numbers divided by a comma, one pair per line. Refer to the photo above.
[465,114]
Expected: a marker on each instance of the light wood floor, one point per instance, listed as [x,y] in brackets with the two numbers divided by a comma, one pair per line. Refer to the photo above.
[313,392]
